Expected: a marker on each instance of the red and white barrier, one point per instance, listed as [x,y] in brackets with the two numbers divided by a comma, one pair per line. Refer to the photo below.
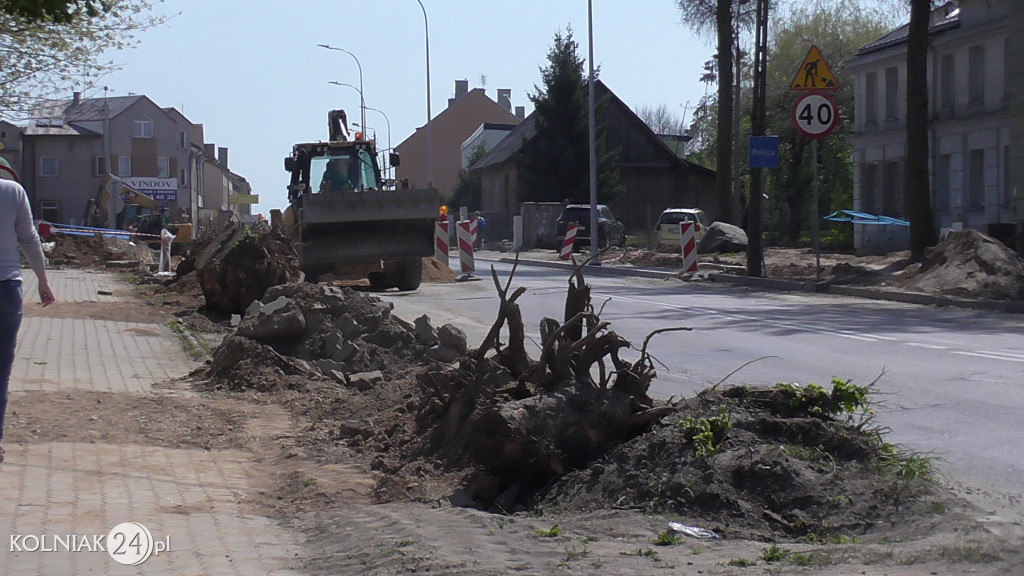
[465,246]
[567,243]
[688,239]
[441,242]
[473,229]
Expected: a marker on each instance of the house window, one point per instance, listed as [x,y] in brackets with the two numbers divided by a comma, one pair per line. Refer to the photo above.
[181,140]
[976,179]
[868,187]
[142,128]
[942,179]
[892,194]
[870,96]
[101,166]
[124,166]
[892,88]
[946,82]
[49,210]
[163,167]
[976,73]
[181,178]
[48,166]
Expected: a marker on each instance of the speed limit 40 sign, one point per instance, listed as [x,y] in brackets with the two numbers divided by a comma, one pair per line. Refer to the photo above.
[815,114]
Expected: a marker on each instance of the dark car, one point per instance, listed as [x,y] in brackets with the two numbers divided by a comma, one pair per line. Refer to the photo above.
[608,227]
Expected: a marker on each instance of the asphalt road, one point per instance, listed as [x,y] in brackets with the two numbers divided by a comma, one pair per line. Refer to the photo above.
[950,382]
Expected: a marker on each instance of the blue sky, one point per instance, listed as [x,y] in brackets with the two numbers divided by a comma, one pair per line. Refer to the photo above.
[252,74]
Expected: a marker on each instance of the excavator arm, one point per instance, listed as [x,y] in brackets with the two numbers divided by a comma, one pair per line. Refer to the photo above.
[96,212]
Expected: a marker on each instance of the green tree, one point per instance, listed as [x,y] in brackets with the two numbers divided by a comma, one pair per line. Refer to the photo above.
[467,189]
[48,47]
[918,192]
[555,165]
[839,28]
[60,11]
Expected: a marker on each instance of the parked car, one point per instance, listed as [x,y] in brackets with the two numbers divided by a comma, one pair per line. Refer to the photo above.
[608,226]
[667,231]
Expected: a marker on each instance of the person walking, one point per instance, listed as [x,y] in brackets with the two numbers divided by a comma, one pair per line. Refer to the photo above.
[16,228]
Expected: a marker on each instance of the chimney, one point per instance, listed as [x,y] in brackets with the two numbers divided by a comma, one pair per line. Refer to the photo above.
[461,88]
[222,156]
[209,150]
[505,99]
[76,98]
[521,112]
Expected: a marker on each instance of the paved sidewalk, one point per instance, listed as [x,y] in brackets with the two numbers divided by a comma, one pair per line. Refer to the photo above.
[191,498]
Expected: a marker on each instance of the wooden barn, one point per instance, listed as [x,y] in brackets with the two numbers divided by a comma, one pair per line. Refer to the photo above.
[653,175]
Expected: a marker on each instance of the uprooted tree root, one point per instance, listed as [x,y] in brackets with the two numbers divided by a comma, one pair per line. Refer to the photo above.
[575,430]
[526,422]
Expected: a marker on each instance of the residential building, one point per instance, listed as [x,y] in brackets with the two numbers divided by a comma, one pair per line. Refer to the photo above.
[10,144]
[449,129]
[487,136]
[970,127]
[156,150]
[654,176]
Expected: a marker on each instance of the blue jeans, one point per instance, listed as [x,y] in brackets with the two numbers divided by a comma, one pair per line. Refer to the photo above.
[10,321]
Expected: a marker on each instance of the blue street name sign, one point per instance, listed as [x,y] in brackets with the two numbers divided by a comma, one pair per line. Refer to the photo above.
[763,152]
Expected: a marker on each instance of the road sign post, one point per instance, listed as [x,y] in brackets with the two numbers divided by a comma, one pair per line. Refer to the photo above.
[815,115]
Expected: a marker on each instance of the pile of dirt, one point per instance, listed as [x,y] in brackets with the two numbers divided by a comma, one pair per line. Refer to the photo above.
[494,429]
[437,273]
[90,251]
[303,332]
[649,258]
[754,463]
[969,264]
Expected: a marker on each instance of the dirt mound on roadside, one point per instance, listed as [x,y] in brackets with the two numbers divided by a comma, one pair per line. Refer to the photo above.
[435,272]
[782,466]
[648,258]
[969,264]
[78,251]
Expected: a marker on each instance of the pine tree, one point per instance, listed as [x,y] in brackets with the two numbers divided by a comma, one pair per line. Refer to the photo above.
[555,165]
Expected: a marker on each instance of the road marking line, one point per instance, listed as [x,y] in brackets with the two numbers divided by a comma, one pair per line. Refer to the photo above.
[929,346]
[990,356]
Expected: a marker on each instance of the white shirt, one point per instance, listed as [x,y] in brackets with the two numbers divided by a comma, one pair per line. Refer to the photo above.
[16,228]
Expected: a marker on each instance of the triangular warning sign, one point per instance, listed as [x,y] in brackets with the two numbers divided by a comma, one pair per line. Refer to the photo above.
[814,73]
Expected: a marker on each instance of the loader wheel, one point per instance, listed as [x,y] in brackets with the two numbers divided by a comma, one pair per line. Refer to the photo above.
[410,274]
[380,280]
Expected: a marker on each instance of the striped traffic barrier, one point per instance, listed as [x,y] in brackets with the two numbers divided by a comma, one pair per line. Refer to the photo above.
[688,239]
[473,229]
[465,246]
[441,242]
[567,243]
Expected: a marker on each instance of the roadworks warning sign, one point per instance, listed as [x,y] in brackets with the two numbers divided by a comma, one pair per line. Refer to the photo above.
[814,73]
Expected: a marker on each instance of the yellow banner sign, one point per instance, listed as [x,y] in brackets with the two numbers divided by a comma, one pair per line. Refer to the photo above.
[244,198]
[814,73]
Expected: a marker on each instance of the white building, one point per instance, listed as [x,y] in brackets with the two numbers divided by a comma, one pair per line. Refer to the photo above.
[969,122]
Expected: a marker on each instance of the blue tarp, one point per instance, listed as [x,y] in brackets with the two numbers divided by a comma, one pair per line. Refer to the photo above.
[864,218]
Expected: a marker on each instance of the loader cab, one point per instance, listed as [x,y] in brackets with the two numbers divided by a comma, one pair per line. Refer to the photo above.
[331,169]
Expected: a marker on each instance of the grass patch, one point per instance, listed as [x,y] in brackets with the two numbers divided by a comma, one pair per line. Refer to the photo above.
[554,532]
[191,341]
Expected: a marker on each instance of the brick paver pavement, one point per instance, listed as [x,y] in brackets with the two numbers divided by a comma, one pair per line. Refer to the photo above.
[191,498]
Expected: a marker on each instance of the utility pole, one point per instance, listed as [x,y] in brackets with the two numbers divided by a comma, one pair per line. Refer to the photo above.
[755,248]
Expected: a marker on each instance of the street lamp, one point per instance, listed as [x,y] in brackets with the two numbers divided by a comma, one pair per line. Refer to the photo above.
[350,86]
[389,135]
[430,150]
[591,114]
[362,101]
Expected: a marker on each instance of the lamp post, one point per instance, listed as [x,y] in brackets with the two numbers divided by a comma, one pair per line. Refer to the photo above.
[430,149]
[389,135]
[362,101]
[591,114]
